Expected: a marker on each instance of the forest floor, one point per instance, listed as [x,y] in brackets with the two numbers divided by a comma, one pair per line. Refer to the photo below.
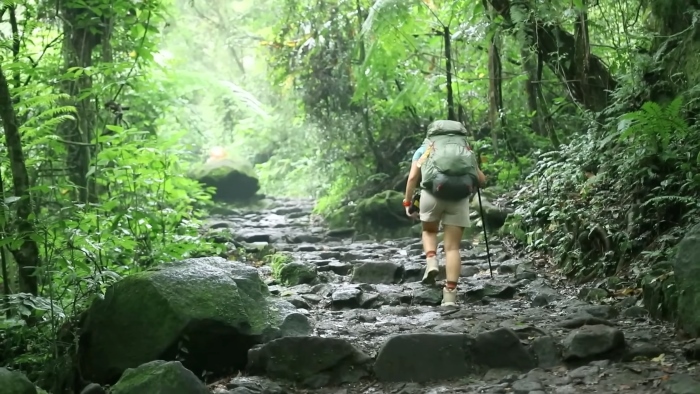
[526,333]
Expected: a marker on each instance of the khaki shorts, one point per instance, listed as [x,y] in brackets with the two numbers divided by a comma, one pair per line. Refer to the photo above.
[451,213]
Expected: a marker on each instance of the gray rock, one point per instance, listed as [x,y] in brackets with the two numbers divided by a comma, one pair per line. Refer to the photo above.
[159,377]
[310,361]
[14,382]
[592,342]
[381,272]
[424,357]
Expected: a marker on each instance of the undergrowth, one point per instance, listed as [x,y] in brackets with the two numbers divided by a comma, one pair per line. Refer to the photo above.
[615,200]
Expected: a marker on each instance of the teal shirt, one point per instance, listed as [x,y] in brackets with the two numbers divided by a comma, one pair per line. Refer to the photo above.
[419,153]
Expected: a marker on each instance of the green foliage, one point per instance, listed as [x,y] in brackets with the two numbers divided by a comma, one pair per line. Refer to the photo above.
[631,213]
[276,261]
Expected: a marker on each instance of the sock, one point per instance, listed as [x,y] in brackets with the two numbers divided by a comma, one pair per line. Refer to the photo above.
[450,285]
[430,254]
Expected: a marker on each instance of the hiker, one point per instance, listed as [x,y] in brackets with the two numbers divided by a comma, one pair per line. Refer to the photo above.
[449,174]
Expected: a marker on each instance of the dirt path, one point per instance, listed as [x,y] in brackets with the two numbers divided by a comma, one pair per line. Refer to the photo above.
[514,333]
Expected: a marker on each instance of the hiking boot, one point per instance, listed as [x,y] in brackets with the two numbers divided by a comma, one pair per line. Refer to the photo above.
[432,269]
[449,297]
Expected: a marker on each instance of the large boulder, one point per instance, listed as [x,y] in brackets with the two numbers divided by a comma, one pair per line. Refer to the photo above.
[687,273]
[494,216]
[159,377]
[13,382]
[383,211]
[234,179]
[205,312]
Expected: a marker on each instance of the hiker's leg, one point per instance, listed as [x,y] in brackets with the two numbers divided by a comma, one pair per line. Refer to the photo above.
[453,261]
[455,219]
[430,212]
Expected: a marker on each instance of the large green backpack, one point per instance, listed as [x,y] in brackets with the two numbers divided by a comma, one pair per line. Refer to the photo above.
[449,166]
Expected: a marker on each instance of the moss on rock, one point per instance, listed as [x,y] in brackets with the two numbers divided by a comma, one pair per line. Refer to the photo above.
[233,178]
[14,382]
[216,309]
[159,377]
[297,273]
[494,216]
[687,277]
[380,214]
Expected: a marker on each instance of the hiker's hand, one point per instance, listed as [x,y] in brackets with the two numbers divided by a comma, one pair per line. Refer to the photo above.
[412,215]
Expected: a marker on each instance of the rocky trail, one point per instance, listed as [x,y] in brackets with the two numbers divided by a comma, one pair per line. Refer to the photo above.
[313,310]
[377,329]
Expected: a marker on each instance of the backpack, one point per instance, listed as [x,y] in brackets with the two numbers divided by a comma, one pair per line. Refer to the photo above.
[448,166]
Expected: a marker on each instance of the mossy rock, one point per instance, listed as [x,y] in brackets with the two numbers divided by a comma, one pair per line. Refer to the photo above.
[297,273]
[214,308]
[383,210]
[494,216]
[14,382]
[159,377]
[341,217]
[234,179]
[686,269]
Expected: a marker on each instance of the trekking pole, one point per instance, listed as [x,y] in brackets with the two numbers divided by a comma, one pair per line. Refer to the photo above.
[483,224]
[486,238]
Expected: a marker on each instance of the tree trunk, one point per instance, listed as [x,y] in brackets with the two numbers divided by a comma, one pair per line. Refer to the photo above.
[83,32]
[27,255]
[558,48]
[677,44]
[531,90]
[495,98]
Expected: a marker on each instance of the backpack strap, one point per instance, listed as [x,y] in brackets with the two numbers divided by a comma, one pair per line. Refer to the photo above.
[425,155]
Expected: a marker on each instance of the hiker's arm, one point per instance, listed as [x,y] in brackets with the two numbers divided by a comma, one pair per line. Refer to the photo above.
[482,177]
[412,182]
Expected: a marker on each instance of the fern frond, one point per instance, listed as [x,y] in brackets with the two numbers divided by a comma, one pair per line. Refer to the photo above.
[672,199]
[43,100]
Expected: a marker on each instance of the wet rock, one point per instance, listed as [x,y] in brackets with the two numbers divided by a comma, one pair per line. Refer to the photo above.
[253,385]
[424,357]
[591,342]
[214,308]
[682,384]
[546,351]
[428,296]
[600,311]
[14,382]
[341,233]
[635,312]
[526,386]
[687,276]
[508,266]
[337,268]
[346,297]
[413,272]
[467,271]
[587,374]
[159,377]
[296,273]
[501,348]
[592,294]
[381,272]
[310,361]
[525,271]
[691,350]
[305,239]
[93,388]
[494,290]
[582,319]
[641,350]
[256,237]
